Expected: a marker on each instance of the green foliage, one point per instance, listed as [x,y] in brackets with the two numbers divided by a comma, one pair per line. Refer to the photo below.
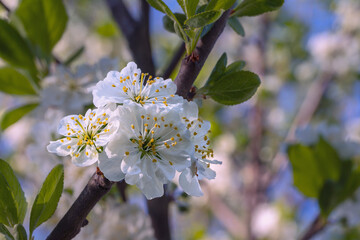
[236,26]
[320,173]
[44,22]
[107,30]
[14,48]
[220,4]
[169,24]
[12,200]
[191,6]
[230,85]
[20,233]
[256,7]
[13,82]
[202,19]
[12,116]
[46,201]
[5,233]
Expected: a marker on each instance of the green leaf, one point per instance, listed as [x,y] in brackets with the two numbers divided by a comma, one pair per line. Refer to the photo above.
[220,4]
[233,88]
[218,70]
[306,173]
[162,7]
[12,200]
[256,7]
[12,116]
[20,232]
[5,233]
[328,160]
[328,197]
[236,26]
[191,7]
[13,82]
[44,21]
[46,201]
[182,5]
[202,19]
[13,48]
[235,67]
[169,23]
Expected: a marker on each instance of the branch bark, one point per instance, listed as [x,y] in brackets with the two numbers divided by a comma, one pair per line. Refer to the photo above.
[189,69]
[136,32]
[174,61]
[317,225]
[75,218]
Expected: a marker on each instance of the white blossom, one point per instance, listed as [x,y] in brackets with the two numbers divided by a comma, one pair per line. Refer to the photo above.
[71,90]
[85,136]
[150,145]
[200,164]
[128,86]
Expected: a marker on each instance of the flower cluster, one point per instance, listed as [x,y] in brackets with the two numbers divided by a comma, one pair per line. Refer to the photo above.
[142,132]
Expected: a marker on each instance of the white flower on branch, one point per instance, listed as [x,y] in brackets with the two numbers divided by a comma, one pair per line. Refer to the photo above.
[150,146]
[85,136]
[200,163]
[128,86]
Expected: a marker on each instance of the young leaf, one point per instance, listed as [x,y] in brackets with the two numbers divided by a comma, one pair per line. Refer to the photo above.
[44,21]
[20,233]
[12,116]
[169,23]
[306,173]
[220,4]
[162,7]
[13,48]
[13,82]
[5,233]
[46,201]
[12,200]
[218,70]
[236,26]
[191,7]
[328,159]
[202,19]
[233,88]
[256,7]
[182,5]
[235,67]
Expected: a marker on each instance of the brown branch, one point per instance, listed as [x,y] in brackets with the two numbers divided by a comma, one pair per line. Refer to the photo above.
[159,213]
[136,32]
[305,113]
[5,7]
[174,61]
[317,225]
[190,67]
[121,186]
[75,218]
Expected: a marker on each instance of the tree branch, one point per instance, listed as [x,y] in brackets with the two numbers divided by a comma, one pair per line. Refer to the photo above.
[75,218]
[317,225]
[174,61]
[190,69]
[4,6]
[136,32]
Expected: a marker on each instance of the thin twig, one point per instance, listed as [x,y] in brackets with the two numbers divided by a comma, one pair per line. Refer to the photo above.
[4,6]
[121,186]
[174,61]
[317,225]
[75,218]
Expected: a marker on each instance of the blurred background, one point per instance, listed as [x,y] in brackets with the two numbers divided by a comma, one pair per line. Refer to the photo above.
[307,55]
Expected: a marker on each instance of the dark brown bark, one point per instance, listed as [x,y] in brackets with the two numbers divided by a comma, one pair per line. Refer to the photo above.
[317,225]
[75,218]
[190,67]
[136,32]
